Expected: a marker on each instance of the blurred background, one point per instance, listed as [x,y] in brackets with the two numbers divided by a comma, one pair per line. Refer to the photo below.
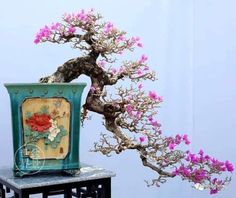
[190,43]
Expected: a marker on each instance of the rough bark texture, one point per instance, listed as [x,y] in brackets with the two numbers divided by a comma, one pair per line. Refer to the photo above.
[87,65]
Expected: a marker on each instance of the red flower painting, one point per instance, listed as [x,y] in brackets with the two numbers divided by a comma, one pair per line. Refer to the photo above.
[39,122]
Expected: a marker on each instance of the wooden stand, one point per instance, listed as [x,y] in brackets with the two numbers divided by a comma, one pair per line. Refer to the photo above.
[92,182]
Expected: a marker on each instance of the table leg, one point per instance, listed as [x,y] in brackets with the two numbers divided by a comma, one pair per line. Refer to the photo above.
[16,195]
[45,195]
[106,188]
[2,193]
[68,193]
[24,195]
[8,190]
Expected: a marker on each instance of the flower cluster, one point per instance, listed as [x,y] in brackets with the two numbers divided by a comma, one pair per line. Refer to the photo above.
[82,17]
[135,41]
[173,142]
[199,169]
[43,123]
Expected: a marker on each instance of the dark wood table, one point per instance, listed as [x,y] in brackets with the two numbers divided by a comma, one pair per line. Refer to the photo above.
[92,182]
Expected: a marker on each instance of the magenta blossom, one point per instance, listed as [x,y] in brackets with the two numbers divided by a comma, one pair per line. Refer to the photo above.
[139,44]
[82,16]
[186,140]
[92,89]
[129,108]
[55,26]
[108,28]
[120,38]
[140,86]
[171,146]
[101,64]
[229,166]
[43,33]
[114,70]
[139,72]
[152,95]
[142,139]
[71,30]
[143,59]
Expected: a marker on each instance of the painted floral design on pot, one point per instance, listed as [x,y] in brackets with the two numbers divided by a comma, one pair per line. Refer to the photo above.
[46,124]
[39,122]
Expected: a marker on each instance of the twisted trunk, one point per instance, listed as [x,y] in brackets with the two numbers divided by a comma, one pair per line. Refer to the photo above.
[71,70]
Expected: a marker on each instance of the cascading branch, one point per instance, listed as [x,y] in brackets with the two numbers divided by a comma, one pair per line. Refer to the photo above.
[130,114]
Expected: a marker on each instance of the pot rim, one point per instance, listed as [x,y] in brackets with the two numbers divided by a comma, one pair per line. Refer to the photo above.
[44,84]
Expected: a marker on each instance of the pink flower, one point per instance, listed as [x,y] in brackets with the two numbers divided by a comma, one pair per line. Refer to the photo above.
[186,140]
[135,39]
[108,28]
[192,158]
[155,124]
[213,191]
[152,95]
[71,30]
[142,139]
[37,40]
[129,108]
[120,38]
[159,98]
[67,17]
[139,44]
[201,152]
[114,70]
[199,175]
[122,69]
[92,89]
[178,139]
[44,33]
[219,166]
[140,86]
[55,26]
[150,118]
[139,72]
[175,172]
[146,68]
[101,64]
[82,16]
[186,172]
[229,166]
[171,146]
[138,114]
[143,59]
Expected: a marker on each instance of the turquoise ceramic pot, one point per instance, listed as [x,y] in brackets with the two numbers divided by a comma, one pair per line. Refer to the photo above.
[46,126]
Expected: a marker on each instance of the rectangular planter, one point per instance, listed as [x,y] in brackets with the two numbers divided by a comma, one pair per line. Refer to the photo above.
[46,126]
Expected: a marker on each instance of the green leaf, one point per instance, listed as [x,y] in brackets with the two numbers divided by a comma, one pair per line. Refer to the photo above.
[47,141]
[57,139]
[63,132]
[61,127]
[30,147]
[28,114]
[54,145]
[45,135]
[35,134]
[44,109]
[27,131]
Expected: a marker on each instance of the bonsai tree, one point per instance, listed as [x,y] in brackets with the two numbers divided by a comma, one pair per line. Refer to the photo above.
[130,112]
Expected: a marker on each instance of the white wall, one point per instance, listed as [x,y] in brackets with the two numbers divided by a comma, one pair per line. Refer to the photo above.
[190,43]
